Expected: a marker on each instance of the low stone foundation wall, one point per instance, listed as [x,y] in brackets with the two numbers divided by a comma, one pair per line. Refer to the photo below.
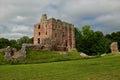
[32,46]
[13,54]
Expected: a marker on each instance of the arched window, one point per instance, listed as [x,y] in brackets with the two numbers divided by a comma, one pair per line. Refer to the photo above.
[66,43]
[38,40]
[39,33]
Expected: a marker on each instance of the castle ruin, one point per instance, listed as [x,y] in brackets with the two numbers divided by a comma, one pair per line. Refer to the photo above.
[54,33]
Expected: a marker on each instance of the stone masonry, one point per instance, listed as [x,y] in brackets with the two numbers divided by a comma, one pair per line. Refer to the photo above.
[54,33]
[114,48]
[13,54]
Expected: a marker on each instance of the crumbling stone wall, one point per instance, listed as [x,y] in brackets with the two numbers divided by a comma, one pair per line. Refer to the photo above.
[9,52]
[13,54]
[61,33]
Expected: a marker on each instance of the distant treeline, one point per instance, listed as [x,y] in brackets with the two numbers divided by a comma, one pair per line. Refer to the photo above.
[15,43]
[94,42]
[87,41]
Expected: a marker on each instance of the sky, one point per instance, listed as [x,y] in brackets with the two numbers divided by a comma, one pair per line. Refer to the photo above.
[17,17]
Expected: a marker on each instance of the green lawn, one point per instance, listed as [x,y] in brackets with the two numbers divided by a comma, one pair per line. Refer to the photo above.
[103,68]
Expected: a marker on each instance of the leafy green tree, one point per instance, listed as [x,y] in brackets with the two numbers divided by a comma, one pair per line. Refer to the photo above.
[30,40]
[14,44]
[101,44]
[90,42]
[114,37]
[4,43]
[78,37]
[24,39]
[87,40]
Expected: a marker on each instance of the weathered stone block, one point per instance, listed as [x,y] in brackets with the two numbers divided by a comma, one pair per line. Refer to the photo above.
[114,48]
[9,52]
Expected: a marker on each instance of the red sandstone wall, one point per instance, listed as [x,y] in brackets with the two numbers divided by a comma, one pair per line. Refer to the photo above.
[60,32]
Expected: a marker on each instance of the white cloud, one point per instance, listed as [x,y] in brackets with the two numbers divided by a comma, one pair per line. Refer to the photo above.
[19,16]
[19,19]
[1,29]
[22,29]
[91,7]
[108,19]
[12,35]
[17,31]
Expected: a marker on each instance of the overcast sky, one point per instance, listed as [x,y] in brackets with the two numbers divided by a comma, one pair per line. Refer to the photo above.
[17,17]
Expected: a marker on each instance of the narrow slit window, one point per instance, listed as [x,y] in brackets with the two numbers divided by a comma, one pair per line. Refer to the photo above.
[63,34]
[38,26]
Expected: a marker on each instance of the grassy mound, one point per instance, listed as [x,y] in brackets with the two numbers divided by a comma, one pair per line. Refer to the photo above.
[38,56]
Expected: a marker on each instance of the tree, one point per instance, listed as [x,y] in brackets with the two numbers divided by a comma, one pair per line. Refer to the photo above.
[4,43]
[114,37]
[30,40]
[101,44]
[24,39]
[14,44]
[78,37]
[90,42]
[87,40]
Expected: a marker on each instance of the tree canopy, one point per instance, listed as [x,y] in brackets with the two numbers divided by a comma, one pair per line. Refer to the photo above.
[15,43]
[91,42]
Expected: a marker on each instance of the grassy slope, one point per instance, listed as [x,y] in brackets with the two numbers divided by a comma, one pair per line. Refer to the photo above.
[1,58]
[37,56]
[104,68]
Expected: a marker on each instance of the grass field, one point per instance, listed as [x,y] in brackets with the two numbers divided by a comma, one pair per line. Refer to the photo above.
[103,68]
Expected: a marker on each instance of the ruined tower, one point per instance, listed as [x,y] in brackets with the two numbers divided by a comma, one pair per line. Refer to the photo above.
[60,35]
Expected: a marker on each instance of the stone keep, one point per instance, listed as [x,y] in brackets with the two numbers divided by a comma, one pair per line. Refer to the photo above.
[58,34]
[114,47]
